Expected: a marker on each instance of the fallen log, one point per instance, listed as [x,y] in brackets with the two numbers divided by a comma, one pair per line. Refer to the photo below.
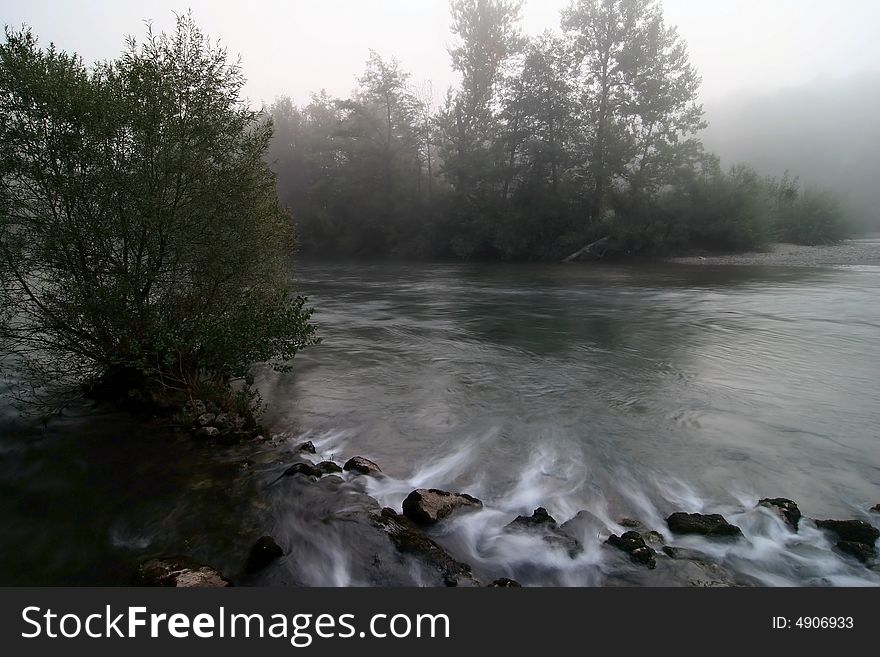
[588,249]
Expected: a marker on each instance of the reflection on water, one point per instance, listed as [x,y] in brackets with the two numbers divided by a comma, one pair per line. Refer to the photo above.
[628,391]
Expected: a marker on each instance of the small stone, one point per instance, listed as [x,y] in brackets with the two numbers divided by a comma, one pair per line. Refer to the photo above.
[207,432]
[180,572]
[786,508]
[205,419]
[712,525]
[363,466]
[634,545]
[505,583]
[263,553]
[539,518]
[876,508]
[427,507]
[308,447]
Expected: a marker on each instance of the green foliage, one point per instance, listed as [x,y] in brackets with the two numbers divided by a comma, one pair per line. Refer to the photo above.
[141,228]
[811,216]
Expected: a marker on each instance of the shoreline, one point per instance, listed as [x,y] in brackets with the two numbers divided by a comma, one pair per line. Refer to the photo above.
[857,252]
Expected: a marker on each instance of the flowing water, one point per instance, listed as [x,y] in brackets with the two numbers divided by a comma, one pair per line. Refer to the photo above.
[628,391]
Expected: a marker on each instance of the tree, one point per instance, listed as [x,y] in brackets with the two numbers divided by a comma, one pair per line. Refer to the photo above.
[141,236]
[639,92]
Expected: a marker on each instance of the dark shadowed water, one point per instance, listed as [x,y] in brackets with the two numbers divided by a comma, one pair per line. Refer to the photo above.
[629,391]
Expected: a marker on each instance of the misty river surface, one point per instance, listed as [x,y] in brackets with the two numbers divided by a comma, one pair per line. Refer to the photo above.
[630,391]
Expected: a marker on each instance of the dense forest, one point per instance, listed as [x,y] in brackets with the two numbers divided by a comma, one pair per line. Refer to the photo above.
[585,135]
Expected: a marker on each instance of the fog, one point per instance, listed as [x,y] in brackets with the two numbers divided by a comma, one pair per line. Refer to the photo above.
[787,84]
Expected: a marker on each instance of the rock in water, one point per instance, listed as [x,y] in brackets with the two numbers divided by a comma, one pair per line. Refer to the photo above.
[856,531]
[876,508]
[362,466]
[539,518]
[634,545]
[713,525]
[180,572]
[264,552]
[786,508]
[306,469]
[427,507]
[328,467]
[409,539]
[543,524]
[308,447]
[505,583]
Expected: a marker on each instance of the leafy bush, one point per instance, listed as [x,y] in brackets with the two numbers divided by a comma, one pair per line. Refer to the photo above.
[140,234]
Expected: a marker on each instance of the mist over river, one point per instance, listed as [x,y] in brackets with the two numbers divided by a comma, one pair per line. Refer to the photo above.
[629,391]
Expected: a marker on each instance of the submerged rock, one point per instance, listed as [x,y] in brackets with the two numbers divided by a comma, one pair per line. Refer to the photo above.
[363,466]
[712,525]
[543,524]
[301,468]
[876,508]
[180,572]
[308,447]
[634,545]
[328,467]
[429,506]
[856,531]
[786,508]
[505,583]
[539,519]
[264,552]
[411,540]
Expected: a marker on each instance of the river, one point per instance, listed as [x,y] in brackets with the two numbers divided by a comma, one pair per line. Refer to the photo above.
[629,391]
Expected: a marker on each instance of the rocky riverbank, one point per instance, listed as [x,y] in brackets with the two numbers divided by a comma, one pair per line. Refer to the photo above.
[336,525]
[850,252]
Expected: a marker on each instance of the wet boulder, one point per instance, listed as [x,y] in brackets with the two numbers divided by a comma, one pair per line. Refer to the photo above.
[429,506]
[207,432]
[363,466]
[308,447]
[786,508]
[711,525]
[854,531]
[876,508]
[180,572]
[328,467]
[634,545]
[263,553]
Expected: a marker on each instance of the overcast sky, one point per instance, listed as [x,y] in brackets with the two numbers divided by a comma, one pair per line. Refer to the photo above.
[295,47]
